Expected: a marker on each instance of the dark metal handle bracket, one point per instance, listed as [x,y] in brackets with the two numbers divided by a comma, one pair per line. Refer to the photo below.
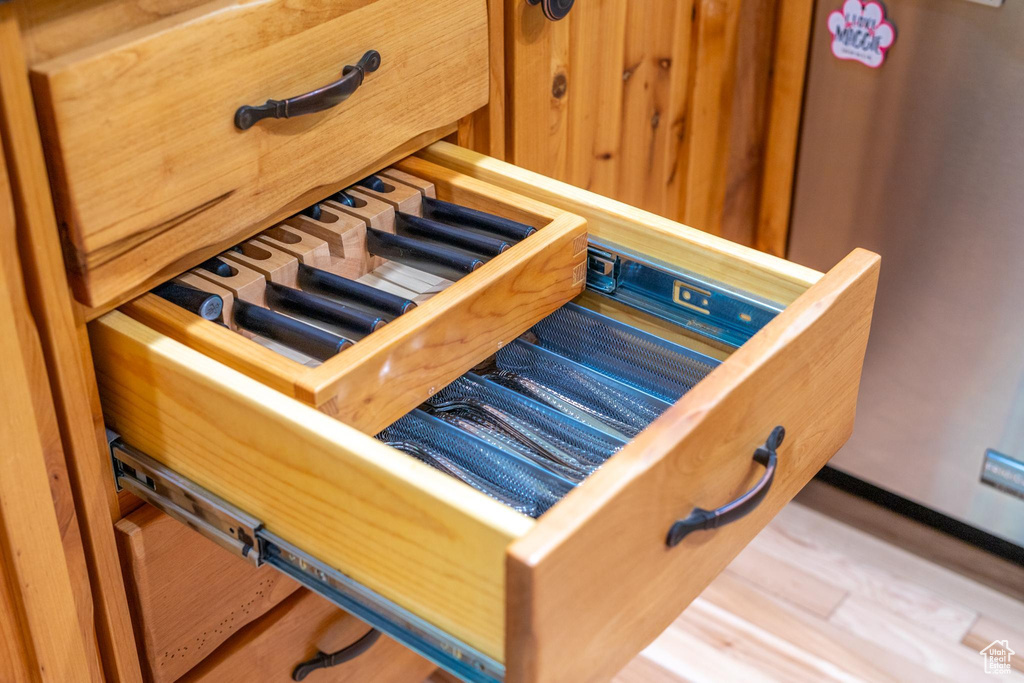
[324,660]
[701,519]
[554,9]
[320,99]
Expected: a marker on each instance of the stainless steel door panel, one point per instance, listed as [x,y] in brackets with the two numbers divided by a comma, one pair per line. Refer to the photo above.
[922,160]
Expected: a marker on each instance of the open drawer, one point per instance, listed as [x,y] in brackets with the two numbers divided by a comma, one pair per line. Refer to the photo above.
[481,589]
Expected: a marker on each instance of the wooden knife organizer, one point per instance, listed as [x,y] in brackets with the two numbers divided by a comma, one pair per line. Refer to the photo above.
[396,367]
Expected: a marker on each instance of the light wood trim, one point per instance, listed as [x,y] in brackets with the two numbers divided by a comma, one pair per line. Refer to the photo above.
[647,233]
[607,537]
[407,531]
[706,144]
[453,186]
[484,129]
[45,618]
[51,29]
[148,208]
[48,429]
[66,351]
[789,67]
[217,342]
[188,594]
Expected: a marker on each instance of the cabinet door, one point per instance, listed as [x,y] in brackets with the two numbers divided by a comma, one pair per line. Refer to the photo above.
[664,104]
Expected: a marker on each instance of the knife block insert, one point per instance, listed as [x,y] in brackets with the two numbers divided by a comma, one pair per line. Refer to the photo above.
[404,361]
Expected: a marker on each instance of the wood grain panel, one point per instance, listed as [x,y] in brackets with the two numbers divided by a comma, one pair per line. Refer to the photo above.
[599,98]
[789,66]
[65,348]
[655,80]
[755,42]
[407,531]
[45,616]
[688,109]
[189,595]
[55,27]
[269,649]
[802,370]
[164,182]
[706,142]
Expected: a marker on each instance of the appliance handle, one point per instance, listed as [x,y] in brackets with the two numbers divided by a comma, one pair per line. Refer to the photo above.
[700,519]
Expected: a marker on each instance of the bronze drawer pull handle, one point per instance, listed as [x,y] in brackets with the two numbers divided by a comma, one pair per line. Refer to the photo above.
[320,99]
[554,9]
[324,660]
[701,519]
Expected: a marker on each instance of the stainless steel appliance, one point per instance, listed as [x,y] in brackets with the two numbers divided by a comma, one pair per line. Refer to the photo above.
[922,160]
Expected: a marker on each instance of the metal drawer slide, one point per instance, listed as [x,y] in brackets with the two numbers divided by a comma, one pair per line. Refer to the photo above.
[236,531]
[701,305]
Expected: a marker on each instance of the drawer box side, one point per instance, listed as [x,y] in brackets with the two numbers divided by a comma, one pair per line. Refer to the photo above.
[419,538]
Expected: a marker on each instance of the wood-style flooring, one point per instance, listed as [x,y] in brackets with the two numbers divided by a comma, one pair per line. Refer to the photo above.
[813,599]
[841,597]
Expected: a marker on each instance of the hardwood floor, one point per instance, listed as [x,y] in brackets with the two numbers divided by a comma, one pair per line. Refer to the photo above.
[813,598]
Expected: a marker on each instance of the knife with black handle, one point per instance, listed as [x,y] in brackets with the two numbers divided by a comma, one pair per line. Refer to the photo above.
[414,226]
[216,266]
[463,216]
[344,198]
[326,283]
[204,304]
[353,323]
[293,333]
[442,261]
[372,182]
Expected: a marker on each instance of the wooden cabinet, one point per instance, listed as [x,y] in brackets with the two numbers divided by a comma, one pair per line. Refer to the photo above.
[511,591]
[151,176]
[685,108]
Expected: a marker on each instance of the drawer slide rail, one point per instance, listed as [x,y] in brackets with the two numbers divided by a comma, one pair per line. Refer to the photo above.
[245,536]
[711,309]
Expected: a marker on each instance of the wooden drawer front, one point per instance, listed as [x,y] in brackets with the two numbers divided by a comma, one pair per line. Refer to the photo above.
[151,173]
[269,649]
[593,576]
[188,595]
